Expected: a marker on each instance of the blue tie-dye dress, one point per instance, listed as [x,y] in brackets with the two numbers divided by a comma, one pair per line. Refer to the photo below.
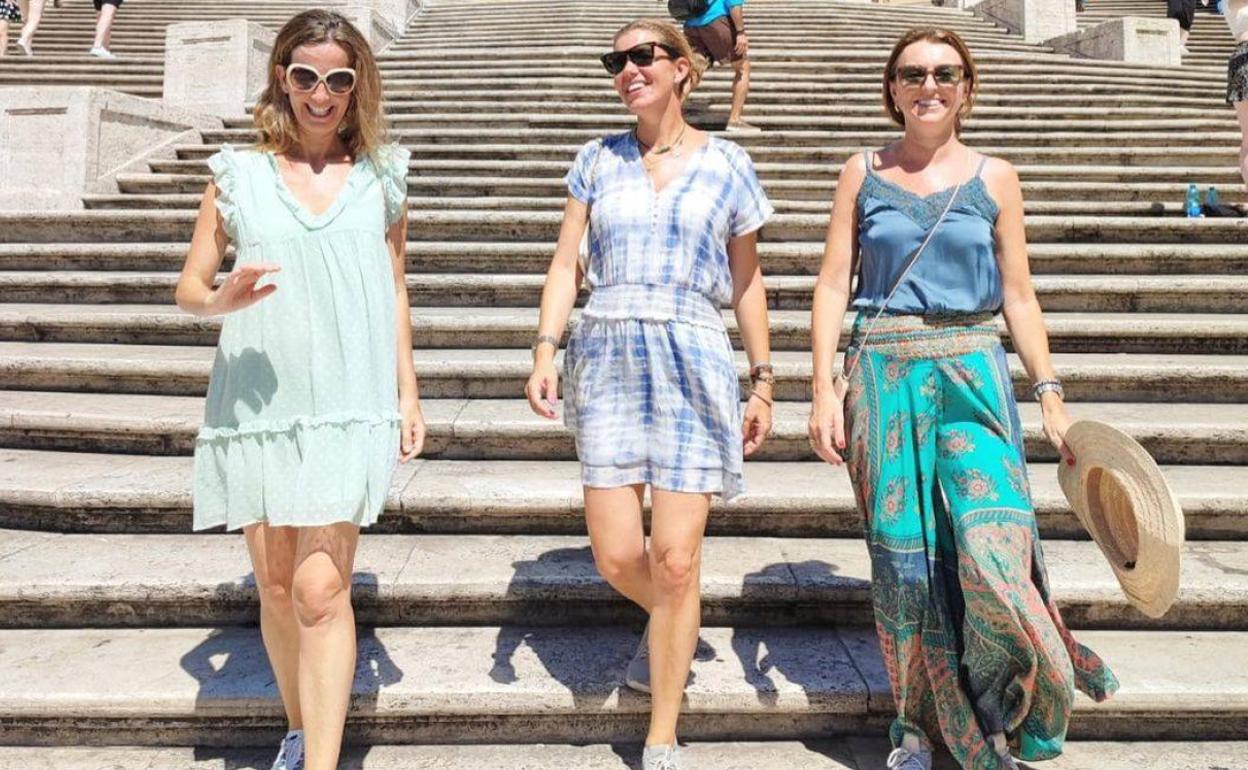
[651,388]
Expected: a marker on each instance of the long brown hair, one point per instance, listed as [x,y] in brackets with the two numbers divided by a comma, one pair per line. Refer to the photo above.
[668,34]
[932,35]
[363,127]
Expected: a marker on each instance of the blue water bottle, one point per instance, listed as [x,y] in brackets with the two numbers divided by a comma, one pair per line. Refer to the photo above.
[1211,197]
[1192,206]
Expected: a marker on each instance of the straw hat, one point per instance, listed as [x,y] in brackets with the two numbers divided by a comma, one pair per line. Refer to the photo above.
[1123,501]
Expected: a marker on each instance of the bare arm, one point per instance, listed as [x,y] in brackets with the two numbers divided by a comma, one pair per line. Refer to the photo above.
[831,300]
[563,280]
[749,302]
[1021,308]
[195,293]
[412,430]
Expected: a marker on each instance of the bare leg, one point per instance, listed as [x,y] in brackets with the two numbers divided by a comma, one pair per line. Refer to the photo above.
[4,37]
[32,22]
[618,540]
[1183,36]
[272,552]
[322,598]
[104,26]
[1241,112]
[677,525]
[740,89]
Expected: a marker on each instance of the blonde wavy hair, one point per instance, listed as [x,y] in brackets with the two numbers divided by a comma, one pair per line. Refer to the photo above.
[668,34]
[363,127]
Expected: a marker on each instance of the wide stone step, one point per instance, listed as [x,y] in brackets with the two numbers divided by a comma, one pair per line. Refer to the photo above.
[165,226]
[483,429]
[1137,294]
[853,753]
[777,258]
[466,373]
[527,684]
[149,581]
[442,327]
[108,493]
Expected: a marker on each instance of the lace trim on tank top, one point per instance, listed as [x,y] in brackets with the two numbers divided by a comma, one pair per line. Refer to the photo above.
[926,209]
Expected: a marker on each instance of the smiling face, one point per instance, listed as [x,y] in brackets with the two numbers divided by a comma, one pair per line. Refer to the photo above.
[655,85]
[318,112]
[929,103]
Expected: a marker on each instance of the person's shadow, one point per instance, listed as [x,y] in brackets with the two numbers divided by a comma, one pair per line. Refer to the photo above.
[564,633]
[232,667]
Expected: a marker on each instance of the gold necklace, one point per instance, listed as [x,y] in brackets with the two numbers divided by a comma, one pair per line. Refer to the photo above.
[663,152]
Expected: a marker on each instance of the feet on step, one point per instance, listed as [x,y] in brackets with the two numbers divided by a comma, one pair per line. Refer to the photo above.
[661,758]
[637,675]
[100,52]
[25,46]
[290,755]
[910,756]
[740,126]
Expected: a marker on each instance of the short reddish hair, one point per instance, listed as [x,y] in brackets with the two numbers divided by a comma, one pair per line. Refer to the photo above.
[931,35]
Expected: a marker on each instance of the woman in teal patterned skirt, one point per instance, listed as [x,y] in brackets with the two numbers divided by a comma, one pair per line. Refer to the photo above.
[976,651]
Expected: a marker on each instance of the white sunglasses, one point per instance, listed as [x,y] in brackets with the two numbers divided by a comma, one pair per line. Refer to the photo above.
[305,79]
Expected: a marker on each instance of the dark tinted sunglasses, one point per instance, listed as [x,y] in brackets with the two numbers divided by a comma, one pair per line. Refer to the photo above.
[301,77]
[641,55]
[944,75]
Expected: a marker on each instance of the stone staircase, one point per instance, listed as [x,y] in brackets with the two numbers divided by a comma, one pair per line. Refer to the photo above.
[1209,46]
[483,620]
[138,40]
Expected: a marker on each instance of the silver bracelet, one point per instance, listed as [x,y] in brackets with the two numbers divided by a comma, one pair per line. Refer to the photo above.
[554,341]
[1048,386]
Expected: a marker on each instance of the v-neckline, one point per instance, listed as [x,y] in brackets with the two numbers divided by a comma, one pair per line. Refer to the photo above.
[921,196]
[683,172]
[299,209]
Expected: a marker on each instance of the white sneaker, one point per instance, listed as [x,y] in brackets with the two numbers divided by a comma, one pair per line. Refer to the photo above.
[290,755]
[637,675]
[101,52]
[902,759]
[660,758]
[25,46]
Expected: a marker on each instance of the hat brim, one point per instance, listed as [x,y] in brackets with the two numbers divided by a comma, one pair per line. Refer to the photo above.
[1122,499]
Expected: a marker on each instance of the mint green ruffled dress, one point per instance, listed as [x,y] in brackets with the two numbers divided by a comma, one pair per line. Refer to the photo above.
[301,426]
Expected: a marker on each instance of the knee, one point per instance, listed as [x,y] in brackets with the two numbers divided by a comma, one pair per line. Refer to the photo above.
[674,569]
[615,565]
[274,589]
[319,597]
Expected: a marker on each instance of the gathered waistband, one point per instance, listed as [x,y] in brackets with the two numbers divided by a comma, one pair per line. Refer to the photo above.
[643,302]
[917,336]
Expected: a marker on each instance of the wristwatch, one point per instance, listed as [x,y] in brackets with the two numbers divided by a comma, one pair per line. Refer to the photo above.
[1048,386]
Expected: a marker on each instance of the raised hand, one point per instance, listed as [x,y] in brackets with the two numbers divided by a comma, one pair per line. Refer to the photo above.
[238,290]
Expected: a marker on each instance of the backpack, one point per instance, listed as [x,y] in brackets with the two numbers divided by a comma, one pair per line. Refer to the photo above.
[684,9]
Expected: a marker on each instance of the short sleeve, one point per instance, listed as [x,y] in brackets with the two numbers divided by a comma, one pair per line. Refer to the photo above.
[735,3]
[225,175]
[580,177]
[751,208]
[392,161]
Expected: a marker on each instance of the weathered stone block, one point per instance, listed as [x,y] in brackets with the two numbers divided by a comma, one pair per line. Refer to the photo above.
[396,12]
[1130,39]
[216,66]
[378,28]
[64,141]
[1035,20]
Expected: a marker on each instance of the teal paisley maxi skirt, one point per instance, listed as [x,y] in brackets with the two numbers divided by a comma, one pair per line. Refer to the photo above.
[969,633]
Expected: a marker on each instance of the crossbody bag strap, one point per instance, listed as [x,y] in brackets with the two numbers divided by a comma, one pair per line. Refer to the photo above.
[900,278]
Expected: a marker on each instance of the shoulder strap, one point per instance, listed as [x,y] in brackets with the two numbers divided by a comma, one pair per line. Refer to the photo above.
[900,278]
[983,162]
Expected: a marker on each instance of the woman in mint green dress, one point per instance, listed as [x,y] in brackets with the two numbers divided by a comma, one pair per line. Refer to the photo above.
[313,396]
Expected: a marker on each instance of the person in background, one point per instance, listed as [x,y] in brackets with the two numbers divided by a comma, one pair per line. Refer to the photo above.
[107,10]
[1184,12]
[1237,76]
[719,36]
[9,12]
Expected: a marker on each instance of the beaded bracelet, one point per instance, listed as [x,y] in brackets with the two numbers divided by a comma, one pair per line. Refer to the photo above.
[1048,386]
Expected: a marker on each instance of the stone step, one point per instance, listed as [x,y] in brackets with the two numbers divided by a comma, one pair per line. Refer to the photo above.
[1144,198]
[777,258]
[854,753]
[82,492]
[466,373]
[1101,294]
[525,684]
[440,327]
[567,141]
[498,429]
[1171,206]
[153,581]
[484,225]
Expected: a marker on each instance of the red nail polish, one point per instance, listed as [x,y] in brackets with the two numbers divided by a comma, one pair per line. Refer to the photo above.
[1070,461]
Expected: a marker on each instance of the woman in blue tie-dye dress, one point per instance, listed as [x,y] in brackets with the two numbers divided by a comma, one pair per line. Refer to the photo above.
[652,389]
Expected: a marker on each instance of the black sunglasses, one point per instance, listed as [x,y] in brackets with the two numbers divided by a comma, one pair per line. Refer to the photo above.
[641,55]
[944,75]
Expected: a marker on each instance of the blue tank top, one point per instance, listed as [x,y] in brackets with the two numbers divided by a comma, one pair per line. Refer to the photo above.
[957,273]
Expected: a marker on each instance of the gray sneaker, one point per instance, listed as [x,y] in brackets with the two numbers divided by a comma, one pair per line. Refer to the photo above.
[637,675]
[290,755]
[661,758]
[901,759]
